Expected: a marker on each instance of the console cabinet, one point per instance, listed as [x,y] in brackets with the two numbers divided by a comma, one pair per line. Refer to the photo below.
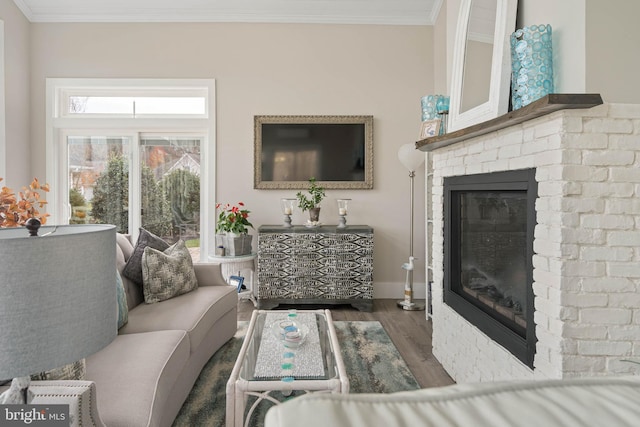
[321,265]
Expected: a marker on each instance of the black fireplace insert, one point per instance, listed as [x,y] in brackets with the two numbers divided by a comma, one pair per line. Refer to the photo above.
[488,275]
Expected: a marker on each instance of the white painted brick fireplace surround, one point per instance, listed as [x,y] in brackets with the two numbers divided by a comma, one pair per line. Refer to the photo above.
[586,277]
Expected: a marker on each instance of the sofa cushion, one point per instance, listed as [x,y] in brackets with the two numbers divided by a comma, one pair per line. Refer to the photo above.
[143,365]
[194,312]
[133,267]
[168,273]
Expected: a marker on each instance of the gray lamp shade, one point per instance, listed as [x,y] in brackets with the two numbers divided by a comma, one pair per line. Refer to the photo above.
[57,296]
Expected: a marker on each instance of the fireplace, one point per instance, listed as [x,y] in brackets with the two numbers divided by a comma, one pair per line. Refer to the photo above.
[488,274]
[585,266]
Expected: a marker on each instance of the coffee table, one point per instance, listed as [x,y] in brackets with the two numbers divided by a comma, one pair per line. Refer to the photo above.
[268,370]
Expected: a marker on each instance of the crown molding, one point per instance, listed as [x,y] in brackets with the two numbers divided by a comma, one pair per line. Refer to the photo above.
[25,9]
[232,18]
[376,12]
[435,11]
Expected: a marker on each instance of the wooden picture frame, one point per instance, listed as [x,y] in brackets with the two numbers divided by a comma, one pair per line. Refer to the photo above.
[295,138]
[430,128]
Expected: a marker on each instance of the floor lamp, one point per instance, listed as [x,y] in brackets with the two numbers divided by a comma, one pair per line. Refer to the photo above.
[58,299]
[411,158]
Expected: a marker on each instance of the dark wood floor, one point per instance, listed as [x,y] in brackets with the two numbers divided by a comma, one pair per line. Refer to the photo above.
[409,331]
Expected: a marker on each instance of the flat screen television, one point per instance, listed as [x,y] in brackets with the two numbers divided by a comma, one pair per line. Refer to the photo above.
[335,150]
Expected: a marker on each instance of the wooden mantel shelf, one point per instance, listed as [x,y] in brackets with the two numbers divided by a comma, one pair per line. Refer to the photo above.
[546,105]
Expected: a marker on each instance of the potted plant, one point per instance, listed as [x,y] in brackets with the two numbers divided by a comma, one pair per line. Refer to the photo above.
[311,203]
[233,222]
[15,211]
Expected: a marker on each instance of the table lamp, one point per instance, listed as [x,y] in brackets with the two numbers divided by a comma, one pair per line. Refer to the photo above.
[411,158]
[58,298]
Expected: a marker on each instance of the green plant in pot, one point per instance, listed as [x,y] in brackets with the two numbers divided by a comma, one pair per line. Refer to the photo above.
[233,222]
[311,202]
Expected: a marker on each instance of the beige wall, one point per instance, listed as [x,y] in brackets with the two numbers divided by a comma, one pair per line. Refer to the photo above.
[273,69]
[567,22]
[16,60]
[440,33]
[612,59]
[595,45]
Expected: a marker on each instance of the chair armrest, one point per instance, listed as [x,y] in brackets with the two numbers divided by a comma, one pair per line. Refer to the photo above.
[79,395]
[209,274]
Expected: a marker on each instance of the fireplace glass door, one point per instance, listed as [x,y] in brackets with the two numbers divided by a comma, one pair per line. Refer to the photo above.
[493,234]
[488,271]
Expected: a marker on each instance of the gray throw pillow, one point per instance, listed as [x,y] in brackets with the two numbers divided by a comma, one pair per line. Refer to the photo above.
[133,267]
[167,274]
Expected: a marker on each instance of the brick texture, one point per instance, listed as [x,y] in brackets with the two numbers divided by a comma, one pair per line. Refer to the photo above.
[587,245]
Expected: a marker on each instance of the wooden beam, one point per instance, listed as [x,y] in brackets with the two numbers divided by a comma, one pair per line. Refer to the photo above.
[543,106]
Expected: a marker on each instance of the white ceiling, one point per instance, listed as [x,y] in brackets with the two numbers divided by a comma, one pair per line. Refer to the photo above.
[388,12]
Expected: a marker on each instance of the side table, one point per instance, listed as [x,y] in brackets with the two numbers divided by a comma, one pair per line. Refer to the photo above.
[243,265]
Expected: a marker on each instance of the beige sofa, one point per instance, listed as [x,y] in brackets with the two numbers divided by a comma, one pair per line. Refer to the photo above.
[143,377]
[603,401]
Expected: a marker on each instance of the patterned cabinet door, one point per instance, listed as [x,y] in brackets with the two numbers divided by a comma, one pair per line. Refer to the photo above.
[323,265]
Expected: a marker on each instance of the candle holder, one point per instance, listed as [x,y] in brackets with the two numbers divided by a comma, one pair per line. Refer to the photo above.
[287,209]
[342,212]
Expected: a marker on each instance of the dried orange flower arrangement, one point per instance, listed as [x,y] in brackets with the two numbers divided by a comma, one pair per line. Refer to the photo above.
[16,210]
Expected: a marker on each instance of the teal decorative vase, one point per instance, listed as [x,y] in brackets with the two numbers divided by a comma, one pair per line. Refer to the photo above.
[429,110]
[532,65]
[435,107]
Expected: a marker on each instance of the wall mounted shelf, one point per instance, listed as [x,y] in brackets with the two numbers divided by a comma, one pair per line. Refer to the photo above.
[543,106]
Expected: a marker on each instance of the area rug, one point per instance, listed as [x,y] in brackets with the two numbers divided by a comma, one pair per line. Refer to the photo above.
[372,362]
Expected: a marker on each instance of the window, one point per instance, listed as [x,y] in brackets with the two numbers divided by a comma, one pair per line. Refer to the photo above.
[126,153]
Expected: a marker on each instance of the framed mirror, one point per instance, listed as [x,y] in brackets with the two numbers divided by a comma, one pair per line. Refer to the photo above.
[481,61]
[335,150]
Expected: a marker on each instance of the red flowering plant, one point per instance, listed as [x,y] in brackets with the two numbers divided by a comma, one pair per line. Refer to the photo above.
[16,210]
[233,219]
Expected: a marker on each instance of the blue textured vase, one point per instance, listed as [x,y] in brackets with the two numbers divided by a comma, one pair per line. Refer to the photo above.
[436,107]
[531,64]
[429,110]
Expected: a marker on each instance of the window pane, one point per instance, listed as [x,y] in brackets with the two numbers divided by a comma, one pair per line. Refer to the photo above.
[170,105]
[128,105]
[100,105]
[99,180]
[170,193]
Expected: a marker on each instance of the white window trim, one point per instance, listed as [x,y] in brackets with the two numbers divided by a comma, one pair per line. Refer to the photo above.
[57,128]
